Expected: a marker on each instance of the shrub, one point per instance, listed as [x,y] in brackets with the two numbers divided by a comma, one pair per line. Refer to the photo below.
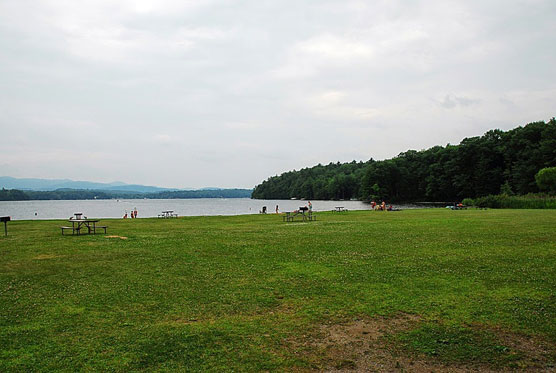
[468,202]
[546,179]
[488,201]
[529,201]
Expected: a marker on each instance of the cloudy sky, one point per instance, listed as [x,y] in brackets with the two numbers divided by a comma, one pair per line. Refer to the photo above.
[227,93]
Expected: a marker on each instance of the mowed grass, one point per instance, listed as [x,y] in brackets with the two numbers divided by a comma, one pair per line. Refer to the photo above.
[243,293]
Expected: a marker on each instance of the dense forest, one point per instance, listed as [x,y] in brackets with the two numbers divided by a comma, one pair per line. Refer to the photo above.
[497,162]
[76,194]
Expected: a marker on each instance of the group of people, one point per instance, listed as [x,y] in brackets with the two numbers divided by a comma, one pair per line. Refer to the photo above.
[132,214]
[381,207]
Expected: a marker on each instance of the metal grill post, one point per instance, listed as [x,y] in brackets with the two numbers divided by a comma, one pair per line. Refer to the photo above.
[5,220]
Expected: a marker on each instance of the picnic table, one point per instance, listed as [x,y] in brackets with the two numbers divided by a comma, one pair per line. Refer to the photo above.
[77,225]
[339,209]
[168,214]
[304,213]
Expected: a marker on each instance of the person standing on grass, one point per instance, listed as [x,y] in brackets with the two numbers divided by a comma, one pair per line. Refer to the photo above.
[310,206]
[277,209]
[135,212]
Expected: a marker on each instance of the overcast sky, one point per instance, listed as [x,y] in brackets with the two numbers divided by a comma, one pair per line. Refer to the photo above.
[227,93]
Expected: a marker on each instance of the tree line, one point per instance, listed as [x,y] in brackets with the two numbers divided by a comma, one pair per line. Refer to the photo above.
[497,162]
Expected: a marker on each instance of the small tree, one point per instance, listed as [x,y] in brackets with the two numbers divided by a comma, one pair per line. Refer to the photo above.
[506,189]
[376,194]
[546,179]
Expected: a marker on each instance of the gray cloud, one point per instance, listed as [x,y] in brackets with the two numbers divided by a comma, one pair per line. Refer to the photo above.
[227,93]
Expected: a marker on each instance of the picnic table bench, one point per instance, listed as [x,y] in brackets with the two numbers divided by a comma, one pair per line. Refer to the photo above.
[66,228]
[302,213]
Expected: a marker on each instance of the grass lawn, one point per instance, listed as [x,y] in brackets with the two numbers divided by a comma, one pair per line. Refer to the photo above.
[358,290]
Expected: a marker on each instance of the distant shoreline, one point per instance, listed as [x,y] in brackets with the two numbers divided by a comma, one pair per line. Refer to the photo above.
[91,194]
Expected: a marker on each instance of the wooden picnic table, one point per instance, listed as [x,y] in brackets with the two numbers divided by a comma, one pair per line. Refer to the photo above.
[303,213]
[340,209]
[168,214]
[81,224]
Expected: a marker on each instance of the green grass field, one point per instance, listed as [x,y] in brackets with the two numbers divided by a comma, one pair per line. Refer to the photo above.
[442,288]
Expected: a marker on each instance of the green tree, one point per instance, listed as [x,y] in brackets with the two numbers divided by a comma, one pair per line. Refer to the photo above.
[546,179]
[506,189]
[376,193]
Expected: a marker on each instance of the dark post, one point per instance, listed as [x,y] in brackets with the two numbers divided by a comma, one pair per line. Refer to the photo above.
[5,220]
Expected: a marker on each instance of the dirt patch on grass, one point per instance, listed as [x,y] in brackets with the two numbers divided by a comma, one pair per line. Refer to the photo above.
[114,236]
[362,346]
[48,256]
[365,345]
[538,354]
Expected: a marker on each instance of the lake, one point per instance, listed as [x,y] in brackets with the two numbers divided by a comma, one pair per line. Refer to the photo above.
[112,208]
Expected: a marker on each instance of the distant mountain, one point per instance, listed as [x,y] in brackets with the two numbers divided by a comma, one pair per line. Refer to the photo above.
[138,188]
[8,182]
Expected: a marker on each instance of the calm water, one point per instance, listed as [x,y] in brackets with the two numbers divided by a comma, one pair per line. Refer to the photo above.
[152,207]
